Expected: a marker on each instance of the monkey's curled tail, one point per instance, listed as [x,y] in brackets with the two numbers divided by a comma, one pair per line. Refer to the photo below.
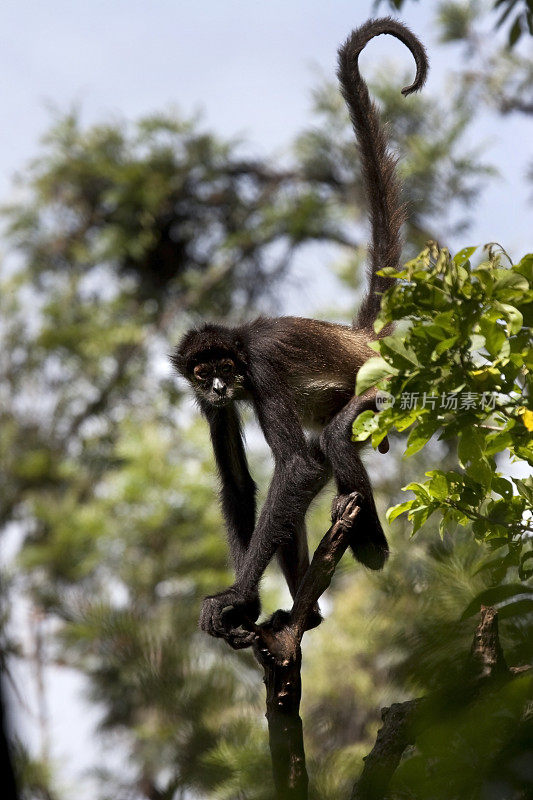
[387,212]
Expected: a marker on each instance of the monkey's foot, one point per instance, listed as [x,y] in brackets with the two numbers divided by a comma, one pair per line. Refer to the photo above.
[314,618]
[281,619]
[340,504]
[228,615]
[367,540]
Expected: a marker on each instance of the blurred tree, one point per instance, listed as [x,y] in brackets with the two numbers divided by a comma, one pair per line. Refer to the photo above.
[492,73]
[166,204]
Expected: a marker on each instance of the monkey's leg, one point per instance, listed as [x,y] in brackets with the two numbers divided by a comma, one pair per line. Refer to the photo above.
[368,544]
[293,558]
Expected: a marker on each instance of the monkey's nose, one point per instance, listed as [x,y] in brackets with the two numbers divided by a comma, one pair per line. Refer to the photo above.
[219,387]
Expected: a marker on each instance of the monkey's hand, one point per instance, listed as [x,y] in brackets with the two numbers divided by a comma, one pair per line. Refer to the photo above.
[231,616]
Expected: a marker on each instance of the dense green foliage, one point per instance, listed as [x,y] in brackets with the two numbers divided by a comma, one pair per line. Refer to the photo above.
[460,364]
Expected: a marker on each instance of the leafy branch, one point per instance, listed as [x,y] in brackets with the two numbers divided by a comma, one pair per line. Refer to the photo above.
[463,336]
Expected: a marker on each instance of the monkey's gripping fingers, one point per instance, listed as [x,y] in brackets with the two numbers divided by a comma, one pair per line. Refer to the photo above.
[229,615]
[343,505]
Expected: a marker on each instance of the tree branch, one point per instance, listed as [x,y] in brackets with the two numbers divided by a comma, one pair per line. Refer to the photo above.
[403,721]
[397,733]
[277,649]
[320,572]
[486,654]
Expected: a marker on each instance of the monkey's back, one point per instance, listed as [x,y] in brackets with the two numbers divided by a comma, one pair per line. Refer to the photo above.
[317,360]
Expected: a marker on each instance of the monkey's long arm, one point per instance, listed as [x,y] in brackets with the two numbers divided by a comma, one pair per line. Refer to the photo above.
[237,487]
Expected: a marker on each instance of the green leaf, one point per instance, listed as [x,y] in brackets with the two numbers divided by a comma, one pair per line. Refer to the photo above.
[463,255]
[509,279]
[391,272]
[513,316]
[480,528]
[420,489]
[503,487]
[445,345]
[419,516]
[525,267]
[438,486]
[515,32]
[400,508]
[364,425]
[372,371]
[491,563]
[525,488]
[526,572]
[469,447]
[499,441]
[416,441]
[399,355]
[496,542]
[476,342]
[407,420]
[421,434]
[494,334]
[446,320]
[494,595]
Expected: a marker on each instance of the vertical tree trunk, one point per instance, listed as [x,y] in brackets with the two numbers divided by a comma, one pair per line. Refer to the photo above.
[283,693]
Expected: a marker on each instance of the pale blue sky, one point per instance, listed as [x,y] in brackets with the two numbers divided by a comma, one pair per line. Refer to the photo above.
[248,65]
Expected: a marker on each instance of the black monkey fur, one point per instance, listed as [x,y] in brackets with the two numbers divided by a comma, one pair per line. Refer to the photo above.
[300,373]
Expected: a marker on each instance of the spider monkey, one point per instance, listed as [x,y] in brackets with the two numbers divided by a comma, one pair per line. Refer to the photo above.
[299,373]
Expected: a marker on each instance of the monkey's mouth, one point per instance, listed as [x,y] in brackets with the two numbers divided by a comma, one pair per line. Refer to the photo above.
[218,401]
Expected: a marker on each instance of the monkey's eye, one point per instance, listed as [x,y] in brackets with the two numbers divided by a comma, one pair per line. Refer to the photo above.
[227,367]
[202,372]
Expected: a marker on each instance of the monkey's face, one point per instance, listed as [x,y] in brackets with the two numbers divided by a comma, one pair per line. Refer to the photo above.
[216,381]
